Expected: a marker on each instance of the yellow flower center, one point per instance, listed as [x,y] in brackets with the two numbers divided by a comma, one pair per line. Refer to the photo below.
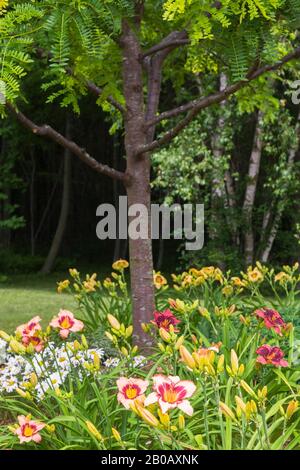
[170,396]
[131,392]
[66,323]
[28,431]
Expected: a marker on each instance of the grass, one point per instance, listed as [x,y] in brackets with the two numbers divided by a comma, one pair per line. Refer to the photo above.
[24,296]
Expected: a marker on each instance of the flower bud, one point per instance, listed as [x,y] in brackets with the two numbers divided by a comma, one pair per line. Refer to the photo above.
[113,322]
[129,331]
[181,422]
[291,408]
[93,430]
[186,357]
[226,411]
[179,342]
[234,362]
[248,389]
[116,435]
[165,336]
[5,336]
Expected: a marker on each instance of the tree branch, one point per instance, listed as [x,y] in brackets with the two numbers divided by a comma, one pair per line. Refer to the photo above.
[194,107]
[81,153]
[224,94]
[161,46]
[92,87]
[98,92]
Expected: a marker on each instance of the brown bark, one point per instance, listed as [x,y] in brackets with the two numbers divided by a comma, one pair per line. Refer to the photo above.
[138,190]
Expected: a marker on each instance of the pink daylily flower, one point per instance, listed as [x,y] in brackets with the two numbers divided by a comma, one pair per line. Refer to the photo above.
[66,323]
[171,392]
[28,430]
[272,319]
[165,319]
[271,355]
[130,390]
[29,328]
[36,342]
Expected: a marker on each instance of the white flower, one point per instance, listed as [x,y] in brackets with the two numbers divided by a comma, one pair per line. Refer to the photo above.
[112,362]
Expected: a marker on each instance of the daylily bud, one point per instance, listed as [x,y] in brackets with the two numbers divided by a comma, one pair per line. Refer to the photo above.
[291,408]
[135,349]
[33,379]
[17,347]
[247,388]
[179,342]
[234,362]
[109,336]
[194,339]
[186,357]
[161,347]
[147,416]
[164,419]
[23,394]
[240,403]
[226,411]
[116,434]
[145,327]
[50,428]
[113,322]
[97,361]
[124,351]
[30,349]
[181,422]
[220,365]
[241,370]
[262,393]
[5,336]
[94,431]
[84,342]
[129,331]
[76,345]
[204,312]
[165,336]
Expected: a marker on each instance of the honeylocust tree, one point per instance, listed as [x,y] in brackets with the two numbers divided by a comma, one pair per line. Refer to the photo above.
[126,53]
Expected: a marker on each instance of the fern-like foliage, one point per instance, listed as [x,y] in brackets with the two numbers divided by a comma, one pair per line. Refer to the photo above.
[14,47]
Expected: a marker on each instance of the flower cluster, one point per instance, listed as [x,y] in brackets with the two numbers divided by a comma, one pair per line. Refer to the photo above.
[169,392]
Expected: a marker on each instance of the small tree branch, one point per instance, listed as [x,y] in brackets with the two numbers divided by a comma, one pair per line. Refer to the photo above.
[98,92]
[81,153]
[154,65]
[92,87]
[194,107]
[161,46]
[224,94]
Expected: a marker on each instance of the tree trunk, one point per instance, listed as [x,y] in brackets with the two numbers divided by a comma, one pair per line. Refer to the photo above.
[138,188]
[253,173]
[32,203]
[218,189]
[65,205]
[281,205]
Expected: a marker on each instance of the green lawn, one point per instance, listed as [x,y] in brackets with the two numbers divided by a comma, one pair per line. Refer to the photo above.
[24,296]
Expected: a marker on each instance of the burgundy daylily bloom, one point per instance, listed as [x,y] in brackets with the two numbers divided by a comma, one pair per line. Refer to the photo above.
[271,355]
[165,319]
[272,319]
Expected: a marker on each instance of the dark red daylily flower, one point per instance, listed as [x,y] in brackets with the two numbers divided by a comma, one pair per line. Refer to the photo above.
[272,319]
[271,355]
[165,319]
